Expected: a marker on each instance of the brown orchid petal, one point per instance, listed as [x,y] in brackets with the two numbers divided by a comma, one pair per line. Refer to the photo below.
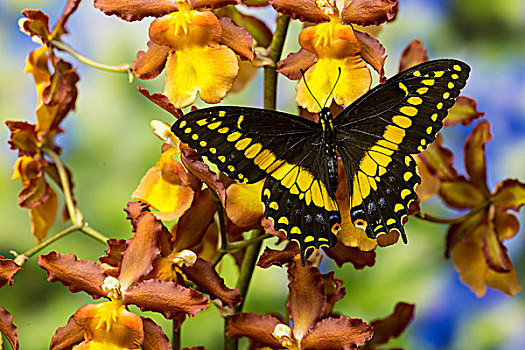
[350,235]
[135,10]
[342,254]
[372,52]
[247,71]
[8,329]
[8,268]
[391,326]
[70,7]
[134,209]
[272,257]
[213,4]
[188,232]
[193,162]
[306,300]
[494,251]
[113,255]
[43,216]
[256,3]
[429,183]
[470,263]
[461,194]
[509,194]
[37,23]
[236,38]
[414,54]
[464,230]
[121,331]
[386,239]
[162,101]
[330,40]
[243,204]
[23,137]
[291,66]
[154,337]
[338,333]
[334,291]
[257,29]
[475,155]
[78,275]
[303,10]
[258,328]
[439,160]
[149,64]
[506,225]
[203,274]
[367,12]
[463,112]
[142,251]
[267,225]
[68,336]
[168,298]
[36,192]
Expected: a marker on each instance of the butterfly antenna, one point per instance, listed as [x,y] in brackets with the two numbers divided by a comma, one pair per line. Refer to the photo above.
[310,91]
[333,88]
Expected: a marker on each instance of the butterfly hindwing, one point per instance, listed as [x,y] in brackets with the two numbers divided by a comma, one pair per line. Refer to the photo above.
[377,134]
[251,144]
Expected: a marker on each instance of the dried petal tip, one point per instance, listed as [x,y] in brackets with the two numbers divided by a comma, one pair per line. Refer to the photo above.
[112,288]
[163,132]
[185,257]
[283,334]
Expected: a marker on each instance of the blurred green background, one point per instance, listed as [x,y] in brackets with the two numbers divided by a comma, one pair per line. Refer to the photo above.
[109,145]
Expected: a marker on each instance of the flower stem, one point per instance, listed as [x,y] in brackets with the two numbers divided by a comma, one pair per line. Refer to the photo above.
[222,233]
[175,339]
[241,244]
[276,49]
[451,221]
[121,68]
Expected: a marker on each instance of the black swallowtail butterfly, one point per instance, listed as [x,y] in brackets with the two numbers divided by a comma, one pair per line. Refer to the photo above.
[374,136]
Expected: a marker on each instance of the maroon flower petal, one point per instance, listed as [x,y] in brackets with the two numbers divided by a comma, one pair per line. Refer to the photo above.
[168,298]
[272,257]
[76,274]
[461,194]
[154,337]
[509,194]
[475,155]
[367,12]
[7,270]
[188,232]
[8,329]
[142,251]
[37,23]
[203,274]
[162,101]
[69,9]
[135,10]
[372,52]
[149,64]
[338,333]
[343,254]
[494,251]
[463,112]
[391,326]
[134,209]
[236,38]
[303,10]
[23,137]
[334,291]
[113,255]
[68,336]
[307,299]
[193,162]
[291,66]
[414,54]
[258,328]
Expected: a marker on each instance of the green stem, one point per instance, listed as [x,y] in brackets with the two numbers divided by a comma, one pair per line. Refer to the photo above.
[121,68]
[94,234]
[175,339]
[276,49]
[21,259]
[75,217]
[222,233]
[242,244]
[247,266]
[451,221]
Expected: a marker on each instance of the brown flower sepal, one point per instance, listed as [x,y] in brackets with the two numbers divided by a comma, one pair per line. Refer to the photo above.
[391,326]
[8,268]
[338,333]
[463,112]
[259,328]
[135,10]
[342,254]
[162,101]
[413,54]
[236,38]
[154,337]
[272,257]
[36,23]
[8,329]
[68,336]
[370,12]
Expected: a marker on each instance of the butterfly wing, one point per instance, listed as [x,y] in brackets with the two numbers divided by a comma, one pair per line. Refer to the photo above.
[250,144]
[377,134]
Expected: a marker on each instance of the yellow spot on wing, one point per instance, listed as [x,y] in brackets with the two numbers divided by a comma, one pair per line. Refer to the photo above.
[242,144]
[404,88]
[394,134]
[402,121]
[182,124]
[241,118]
[434,117]
[203,143]
[417,73]
[456,67]
[264,159]
[214,126]
[454,76]
[309,239]
[398,207]
[450,85]
[295,230]
[202,122]
[429,130]
[428,82]
[422,90]
[253,150]
[415,101]
[391,221]
[408,110]
[439,74]
[283,220]
[405,193]
[407,176]
[439,105]
[222,113]
[274,205]
[213,150]
[223,130]
[446,95]
[234,136]
[222,158]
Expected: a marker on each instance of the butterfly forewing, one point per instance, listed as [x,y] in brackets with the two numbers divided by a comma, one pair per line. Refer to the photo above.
[378,133]
[251,144]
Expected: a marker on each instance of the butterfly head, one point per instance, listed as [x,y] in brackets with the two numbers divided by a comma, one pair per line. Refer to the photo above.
[325,114]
